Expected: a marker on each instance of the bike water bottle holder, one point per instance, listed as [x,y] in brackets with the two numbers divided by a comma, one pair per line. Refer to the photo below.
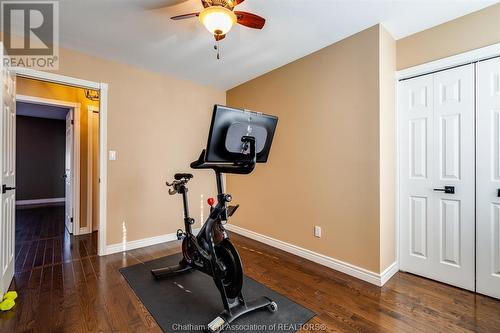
[180,234]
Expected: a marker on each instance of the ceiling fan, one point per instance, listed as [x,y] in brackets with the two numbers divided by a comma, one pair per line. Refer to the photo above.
[218,16]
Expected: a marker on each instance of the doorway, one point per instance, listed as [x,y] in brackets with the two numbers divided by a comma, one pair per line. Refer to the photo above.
[48,155]
[8,256]
[56,149]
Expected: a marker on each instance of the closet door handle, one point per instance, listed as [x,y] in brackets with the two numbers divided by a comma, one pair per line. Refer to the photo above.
[446,189]
[6,188]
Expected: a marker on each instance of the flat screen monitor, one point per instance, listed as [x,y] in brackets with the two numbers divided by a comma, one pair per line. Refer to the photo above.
[229,125]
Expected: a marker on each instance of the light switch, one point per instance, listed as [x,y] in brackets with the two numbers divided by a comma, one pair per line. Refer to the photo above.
[112,155]
[317,231]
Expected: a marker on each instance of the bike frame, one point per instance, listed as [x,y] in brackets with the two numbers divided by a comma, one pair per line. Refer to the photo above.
[205,243]
[218,213]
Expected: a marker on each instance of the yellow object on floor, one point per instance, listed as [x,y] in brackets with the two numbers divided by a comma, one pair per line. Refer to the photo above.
[12,295]
[7,304]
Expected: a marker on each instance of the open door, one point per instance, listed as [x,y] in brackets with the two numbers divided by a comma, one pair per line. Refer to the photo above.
[68,174]
[8,174]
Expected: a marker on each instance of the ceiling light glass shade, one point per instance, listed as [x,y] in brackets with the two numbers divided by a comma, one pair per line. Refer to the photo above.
[218,20]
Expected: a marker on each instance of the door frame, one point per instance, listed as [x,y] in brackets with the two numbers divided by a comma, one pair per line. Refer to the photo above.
[76,149]
[103,132]
[461,59]
[90,162]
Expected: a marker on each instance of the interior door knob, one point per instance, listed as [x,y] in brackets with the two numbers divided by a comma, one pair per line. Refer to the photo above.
[6,188]
[446,189]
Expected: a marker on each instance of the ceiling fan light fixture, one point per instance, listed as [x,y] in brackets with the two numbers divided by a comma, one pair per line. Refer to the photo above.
[217,19]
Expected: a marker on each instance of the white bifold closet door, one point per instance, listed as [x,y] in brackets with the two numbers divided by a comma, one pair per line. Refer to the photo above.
[437,207]
[488,177]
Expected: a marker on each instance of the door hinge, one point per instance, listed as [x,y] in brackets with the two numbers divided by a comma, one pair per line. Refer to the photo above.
[71,220]
[72,121]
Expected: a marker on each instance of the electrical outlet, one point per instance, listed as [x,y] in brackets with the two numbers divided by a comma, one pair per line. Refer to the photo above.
[317,231]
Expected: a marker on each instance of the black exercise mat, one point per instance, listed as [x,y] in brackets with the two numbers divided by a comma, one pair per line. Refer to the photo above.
[189,302]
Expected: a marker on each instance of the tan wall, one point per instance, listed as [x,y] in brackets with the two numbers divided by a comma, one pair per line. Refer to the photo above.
[478,29]
[158,125]
[73,95]
[324,164]
[387,150]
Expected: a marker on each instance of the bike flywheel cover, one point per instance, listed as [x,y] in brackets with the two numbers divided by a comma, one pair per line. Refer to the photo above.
[188,250]
[230,259]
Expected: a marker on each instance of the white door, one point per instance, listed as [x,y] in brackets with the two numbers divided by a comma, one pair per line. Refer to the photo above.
[488,177]
[436,114]
[7,177]
[68,174]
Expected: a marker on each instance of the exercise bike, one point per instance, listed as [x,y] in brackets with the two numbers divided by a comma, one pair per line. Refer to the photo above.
[211,251]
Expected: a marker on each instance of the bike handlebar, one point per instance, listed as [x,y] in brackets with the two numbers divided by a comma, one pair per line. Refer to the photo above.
[244,165]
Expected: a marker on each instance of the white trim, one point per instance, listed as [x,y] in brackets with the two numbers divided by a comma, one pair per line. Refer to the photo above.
[103,167]
[39,201]
[132,245]
[341,266]
[85,230]
[388,273]
[397,217]
[76,148]
[45,101]
[90,161]
[140,243]
[448,62]
[103,129]
[76,167]
[54,78]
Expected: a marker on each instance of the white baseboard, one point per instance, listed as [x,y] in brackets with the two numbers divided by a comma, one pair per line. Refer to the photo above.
[137,244]
[39,201]
[388,273]
[84,231]
[378,279]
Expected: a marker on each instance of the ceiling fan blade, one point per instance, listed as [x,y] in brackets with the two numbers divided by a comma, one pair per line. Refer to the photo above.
[250,20]
[185,16]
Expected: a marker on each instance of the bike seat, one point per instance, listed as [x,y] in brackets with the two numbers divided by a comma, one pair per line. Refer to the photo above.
[179,176]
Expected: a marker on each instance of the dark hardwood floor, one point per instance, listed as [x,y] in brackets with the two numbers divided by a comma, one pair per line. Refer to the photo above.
[65,287]
[42,239]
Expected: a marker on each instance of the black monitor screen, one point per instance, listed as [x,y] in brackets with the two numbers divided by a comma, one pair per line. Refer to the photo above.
[229,125]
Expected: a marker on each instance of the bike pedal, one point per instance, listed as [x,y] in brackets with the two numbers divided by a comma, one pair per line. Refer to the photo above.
[217,325]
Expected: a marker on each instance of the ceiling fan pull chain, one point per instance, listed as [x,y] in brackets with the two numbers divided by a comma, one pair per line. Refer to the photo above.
[217,47]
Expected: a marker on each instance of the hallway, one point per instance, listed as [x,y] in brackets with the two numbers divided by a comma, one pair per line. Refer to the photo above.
[42,239]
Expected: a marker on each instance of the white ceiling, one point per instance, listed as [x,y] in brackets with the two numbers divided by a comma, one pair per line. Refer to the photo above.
[139,32]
